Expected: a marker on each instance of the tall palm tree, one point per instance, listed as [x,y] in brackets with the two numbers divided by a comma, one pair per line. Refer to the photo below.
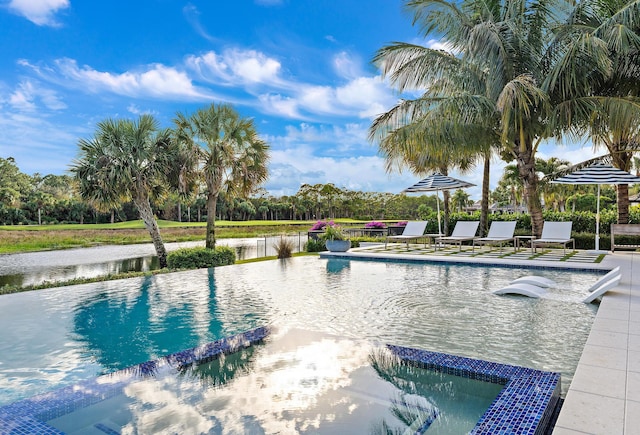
[596,76]
[487,89]
[233,159]
[126,161]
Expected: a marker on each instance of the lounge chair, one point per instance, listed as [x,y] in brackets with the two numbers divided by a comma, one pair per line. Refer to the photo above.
[499,234]
[529,290]
[539,281]
[555,233]
[602,289]
[464,231]
[414,230]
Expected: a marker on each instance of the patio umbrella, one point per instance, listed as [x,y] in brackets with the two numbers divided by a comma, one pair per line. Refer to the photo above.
[437,182]
[598,173]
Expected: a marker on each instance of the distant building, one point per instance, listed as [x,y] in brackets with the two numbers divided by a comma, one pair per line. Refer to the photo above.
[497,209]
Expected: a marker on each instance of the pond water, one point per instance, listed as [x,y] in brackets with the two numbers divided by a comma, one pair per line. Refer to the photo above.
[62,265]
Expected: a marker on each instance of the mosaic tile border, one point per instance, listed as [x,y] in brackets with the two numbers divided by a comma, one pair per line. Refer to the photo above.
[524,406]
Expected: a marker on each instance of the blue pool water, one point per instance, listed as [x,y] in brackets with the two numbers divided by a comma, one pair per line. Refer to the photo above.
[56,337]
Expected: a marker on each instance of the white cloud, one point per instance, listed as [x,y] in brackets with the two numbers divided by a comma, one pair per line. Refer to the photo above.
[279,105]
[346,67]
[157,81]
[132,108]
[324,154]
[236,66]
[24,98]
[40,12]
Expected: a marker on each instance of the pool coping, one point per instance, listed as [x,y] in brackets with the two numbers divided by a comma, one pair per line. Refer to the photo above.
[525,405]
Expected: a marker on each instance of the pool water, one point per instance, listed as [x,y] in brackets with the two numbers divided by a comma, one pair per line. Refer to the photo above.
[57,337]
[299,381]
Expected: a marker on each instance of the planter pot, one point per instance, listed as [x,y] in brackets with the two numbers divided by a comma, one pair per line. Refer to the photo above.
[338,245]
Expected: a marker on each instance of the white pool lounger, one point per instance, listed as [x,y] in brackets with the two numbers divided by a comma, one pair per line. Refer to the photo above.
[612,273]
[602,289]
[522,289]
[539,281]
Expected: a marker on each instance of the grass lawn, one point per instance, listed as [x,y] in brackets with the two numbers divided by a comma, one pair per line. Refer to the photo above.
[31,238]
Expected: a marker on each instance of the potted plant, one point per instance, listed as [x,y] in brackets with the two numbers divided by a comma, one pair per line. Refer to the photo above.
[335,240]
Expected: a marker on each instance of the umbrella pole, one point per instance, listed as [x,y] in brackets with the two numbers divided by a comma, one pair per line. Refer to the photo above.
[438,205]
[598,220]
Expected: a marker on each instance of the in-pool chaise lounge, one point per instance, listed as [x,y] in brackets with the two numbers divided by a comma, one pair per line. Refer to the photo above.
[555,233]
[603,285]
[500,232]
[611,274]
[529,290]
[539,281]
[464,231]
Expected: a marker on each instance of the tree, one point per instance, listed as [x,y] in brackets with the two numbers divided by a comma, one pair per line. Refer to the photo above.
[126,161]
[232,157]
[487,89]
[461,199]
[14,185]
[595,76]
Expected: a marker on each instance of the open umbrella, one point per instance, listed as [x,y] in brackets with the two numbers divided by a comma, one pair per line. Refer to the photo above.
[598,173]
[437,182]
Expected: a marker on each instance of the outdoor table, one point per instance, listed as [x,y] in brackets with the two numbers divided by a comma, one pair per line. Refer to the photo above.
[520,240]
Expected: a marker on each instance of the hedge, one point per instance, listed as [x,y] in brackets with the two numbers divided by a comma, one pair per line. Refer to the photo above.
[195,258]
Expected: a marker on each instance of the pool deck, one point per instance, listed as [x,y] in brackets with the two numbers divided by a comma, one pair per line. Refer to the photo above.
[604,397]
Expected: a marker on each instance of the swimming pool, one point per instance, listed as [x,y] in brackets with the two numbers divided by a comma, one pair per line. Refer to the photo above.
[297,381]
[58,337]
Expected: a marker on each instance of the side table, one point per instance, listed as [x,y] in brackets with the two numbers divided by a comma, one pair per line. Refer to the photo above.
[520,240]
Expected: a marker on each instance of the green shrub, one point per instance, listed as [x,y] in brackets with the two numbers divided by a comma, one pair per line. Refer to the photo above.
[315,245]
[195,258]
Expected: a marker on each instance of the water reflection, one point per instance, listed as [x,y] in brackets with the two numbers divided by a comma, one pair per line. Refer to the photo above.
[39,267]
[296,381]
[150,320]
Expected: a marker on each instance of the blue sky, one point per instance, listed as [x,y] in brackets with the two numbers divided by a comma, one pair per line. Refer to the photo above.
[301,68]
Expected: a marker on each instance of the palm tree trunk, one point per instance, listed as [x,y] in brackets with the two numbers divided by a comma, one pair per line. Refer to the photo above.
[210,238]
[146,214]
[623,203]
[526,168]
[484,202]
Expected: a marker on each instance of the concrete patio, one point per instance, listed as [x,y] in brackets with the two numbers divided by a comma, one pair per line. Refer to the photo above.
[604,396]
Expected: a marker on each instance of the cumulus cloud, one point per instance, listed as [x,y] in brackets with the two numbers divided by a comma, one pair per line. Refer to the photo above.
[157,81]
[236,67]
[313,154]
[40,12]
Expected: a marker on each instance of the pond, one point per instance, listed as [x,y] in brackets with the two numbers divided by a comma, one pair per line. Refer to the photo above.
[62,265]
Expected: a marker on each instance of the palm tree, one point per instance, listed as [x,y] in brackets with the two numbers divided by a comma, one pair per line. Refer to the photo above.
[233,159]
[554,194]
[596,76]
[126,161]
[486,91]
